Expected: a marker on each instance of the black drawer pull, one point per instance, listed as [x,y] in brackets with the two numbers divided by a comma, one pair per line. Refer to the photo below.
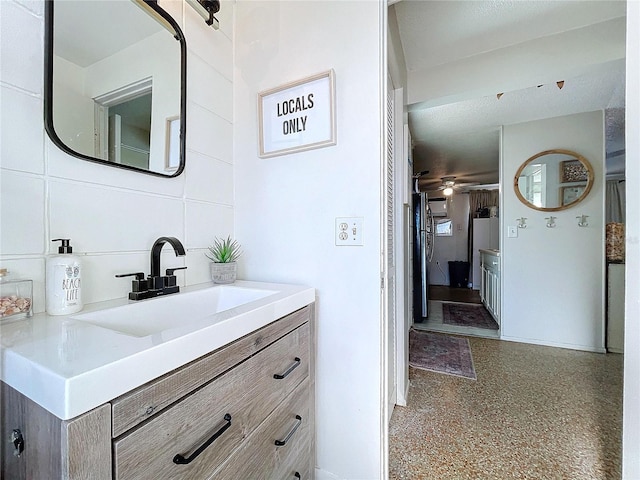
[180,460]
[278,376]
[281,443]
[297,475]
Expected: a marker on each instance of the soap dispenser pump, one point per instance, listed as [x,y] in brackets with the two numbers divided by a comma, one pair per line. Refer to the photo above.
[64,287]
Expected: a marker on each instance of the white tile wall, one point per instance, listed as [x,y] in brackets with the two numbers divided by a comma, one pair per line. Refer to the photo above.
[22,214]
[112,216]
[61,165]
[214,47]
[225,15]
[21,47]
[216,95]
[35,6]
[209,133]
[21,145]
[202,169]
[198,269]
[206,220]
[111,220]
[99,274]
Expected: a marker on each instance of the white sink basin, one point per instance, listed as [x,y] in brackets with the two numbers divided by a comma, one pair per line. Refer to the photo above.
[72,364]
[148,317]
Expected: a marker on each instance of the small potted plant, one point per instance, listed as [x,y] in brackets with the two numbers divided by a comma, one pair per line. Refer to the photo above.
[224,254]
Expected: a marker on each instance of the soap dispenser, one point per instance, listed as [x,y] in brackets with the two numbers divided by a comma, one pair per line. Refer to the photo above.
[64,287]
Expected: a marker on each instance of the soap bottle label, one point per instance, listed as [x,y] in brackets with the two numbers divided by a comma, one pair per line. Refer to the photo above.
[71,284]
[64,287]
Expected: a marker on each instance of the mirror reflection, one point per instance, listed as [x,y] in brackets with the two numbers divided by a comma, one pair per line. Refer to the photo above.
[553,180]
[115,87]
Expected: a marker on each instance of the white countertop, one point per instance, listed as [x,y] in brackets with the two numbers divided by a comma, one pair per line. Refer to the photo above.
[70,367]
[490,251]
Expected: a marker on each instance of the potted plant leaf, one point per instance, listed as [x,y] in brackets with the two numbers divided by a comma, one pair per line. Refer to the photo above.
[224,254]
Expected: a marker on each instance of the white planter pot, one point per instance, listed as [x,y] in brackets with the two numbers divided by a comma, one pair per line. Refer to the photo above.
[224,272]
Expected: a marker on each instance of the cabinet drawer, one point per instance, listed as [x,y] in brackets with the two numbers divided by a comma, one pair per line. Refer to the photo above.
[260,458]
[248,393]
[148,400]
[491,264]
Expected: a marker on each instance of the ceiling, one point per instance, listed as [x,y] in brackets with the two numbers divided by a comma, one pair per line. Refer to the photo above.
[461,139]
[111,26]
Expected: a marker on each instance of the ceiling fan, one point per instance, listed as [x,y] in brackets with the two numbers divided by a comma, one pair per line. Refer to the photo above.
[448,186]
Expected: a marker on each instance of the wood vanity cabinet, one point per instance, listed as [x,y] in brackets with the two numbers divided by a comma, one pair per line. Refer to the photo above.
[244,411]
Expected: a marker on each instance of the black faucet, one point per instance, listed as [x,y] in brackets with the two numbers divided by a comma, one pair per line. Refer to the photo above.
[157,248]
[155,284]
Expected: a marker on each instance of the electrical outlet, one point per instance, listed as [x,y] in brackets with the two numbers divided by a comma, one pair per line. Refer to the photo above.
[512,232]
[349,231]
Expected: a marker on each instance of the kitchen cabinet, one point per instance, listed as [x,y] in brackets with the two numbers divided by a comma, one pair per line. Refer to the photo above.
[245,410]
[490,282]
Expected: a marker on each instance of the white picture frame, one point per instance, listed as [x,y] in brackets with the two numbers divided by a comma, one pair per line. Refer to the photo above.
[297,116]
[172,144]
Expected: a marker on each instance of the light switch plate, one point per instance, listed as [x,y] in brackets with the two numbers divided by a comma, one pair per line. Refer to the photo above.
[349,231]
[512,232]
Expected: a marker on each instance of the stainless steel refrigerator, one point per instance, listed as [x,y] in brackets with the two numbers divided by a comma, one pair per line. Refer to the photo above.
[423,238]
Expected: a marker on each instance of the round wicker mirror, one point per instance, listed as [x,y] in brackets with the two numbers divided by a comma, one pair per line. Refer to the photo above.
[554,180]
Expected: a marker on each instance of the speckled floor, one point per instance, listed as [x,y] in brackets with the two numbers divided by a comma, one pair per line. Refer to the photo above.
[533,413]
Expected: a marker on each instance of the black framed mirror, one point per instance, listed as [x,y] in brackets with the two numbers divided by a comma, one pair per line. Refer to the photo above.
[115,84]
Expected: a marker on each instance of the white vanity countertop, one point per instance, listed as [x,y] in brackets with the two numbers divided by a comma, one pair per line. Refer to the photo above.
[490,251]
[70,367]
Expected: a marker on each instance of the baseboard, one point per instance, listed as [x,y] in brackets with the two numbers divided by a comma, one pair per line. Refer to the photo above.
[403,397]
[406,394]
[569,346]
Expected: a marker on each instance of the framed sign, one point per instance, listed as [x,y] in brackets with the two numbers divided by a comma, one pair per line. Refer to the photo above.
[573,171]
[571,194]
[297,116]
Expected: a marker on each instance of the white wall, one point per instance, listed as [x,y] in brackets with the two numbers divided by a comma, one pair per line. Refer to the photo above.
[553,278]
[111,215]
[453,248]
[75,122]
[395,55]
[631,417]
[286,206]
[158,57]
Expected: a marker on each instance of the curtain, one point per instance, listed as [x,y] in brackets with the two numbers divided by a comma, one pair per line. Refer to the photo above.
[478,199]
[615,202]
[481,199]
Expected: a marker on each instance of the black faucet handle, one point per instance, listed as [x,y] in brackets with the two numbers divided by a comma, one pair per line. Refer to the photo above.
[170,280]
[138,275]
[171,270]
[137,285]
